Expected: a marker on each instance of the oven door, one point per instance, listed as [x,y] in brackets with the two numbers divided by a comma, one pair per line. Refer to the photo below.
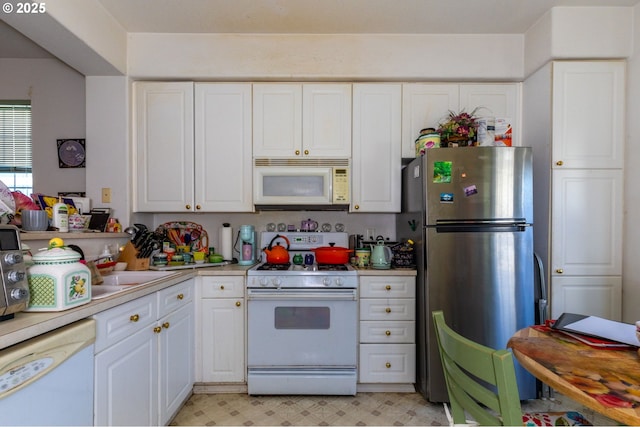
[302,328]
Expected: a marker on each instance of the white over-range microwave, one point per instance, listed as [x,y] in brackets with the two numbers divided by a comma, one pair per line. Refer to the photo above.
[301,183]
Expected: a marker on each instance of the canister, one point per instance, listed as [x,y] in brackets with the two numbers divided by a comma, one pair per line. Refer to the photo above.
[58,280]
[426,141]
[362,257]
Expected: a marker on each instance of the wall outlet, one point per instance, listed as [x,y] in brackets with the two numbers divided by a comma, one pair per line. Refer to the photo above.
[106,195]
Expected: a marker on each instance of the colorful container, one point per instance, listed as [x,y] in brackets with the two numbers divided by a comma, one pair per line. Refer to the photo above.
[58,280]
[427,141]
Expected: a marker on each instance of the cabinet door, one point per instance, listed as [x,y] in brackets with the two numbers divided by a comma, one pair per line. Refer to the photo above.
[223,174]
[177,360]
[326,120]
[376,148]
[277,120]
[588,114]
[222,340]
[126,382]
[494,100]
[424,105]
[586,230]
[163,147]
[595,296]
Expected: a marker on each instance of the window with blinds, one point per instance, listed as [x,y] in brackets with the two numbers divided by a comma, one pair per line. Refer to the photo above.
[15,145]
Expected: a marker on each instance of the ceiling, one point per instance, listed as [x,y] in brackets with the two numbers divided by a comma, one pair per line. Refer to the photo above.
[337,16]
[316,17]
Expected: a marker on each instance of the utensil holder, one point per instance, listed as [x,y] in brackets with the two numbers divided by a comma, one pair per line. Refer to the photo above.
[130,256]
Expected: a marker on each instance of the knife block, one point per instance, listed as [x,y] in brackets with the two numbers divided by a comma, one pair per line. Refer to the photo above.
[130,255]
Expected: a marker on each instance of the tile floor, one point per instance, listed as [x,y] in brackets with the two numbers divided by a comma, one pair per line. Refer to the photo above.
[364,409]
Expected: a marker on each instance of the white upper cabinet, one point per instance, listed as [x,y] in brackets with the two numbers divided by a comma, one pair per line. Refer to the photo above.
[424,105]
[223,174]
[163,146]
[301,120]
[177,172]
[376,177]
[494,100]
[588,119]
[427,105]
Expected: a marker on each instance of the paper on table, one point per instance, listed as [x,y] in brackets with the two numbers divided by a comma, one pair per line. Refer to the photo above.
[609,329]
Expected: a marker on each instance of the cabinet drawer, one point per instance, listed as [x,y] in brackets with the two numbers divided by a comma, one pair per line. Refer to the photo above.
[372,331]
[115,324]
[387,309]
[222,286]
[387,363]
[174,297]
[387,287]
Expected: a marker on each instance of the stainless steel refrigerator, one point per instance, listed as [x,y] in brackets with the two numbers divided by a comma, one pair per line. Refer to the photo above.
[469,211]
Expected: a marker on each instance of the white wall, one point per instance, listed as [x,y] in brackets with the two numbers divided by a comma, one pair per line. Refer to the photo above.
[109,166]
[631,249]
[579,33]
[387,57]
[57,95]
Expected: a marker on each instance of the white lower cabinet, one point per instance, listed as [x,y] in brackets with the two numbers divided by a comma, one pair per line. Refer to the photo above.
[144,361]
[387,330]
[221,330]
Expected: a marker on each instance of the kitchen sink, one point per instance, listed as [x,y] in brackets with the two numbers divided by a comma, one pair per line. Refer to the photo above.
[122,280]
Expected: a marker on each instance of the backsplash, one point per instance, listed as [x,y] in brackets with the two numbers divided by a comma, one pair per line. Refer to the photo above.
[383,224]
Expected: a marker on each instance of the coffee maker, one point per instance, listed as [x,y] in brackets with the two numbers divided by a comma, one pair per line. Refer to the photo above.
[247,240]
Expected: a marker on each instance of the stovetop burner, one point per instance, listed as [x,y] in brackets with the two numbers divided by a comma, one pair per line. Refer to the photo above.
[273,267]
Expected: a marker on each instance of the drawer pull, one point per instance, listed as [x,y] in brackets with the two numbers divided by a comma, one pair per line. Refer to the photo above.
[388,309]
[388,365]
[188,207]
[157,329]
[134,318]
[238,303]
[222,287]
[166,325]
[387,333]
[180,296]
[559,271]
[388,287]
[198,207]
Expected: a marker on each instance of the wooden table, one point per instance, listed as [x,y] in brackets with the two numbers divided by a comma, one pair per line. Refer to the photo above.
[605,380]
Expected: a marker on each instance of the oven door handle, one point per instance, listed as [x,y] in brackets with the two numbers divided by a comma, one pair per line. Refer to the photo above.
[297,294]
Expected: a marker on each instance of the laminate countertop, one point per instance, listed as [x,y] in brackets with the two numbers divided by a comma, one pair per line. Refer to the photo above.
[26,325]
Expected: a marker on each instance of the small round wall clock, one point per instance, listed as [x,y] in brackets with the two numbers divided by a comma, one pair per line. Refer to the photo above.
[71,153]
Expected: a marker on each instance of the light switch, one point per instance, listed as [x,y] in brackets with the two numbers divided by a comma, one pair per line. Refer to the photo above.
[106,195]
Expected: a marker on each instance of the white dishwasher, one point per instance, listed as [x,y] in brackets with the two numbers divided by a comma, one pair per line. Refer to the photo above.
[48,380]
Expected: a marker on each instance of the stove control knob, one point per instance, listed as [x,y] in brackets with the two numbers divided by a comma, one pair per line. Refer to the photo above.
[339,281]
[276,281]
[264,281]
[19,294]
[326,281]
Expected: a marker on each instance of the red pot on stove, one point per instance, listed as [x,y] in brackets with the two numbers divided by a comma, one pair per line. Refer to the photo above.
[332,254]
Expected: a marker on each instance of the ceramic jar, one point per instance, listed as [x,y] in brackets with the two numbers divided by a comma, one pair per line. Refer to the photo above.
[58,280]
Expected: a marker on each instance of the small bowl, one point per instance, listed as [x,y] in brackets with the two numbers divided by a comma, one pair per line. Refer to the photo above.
[120,266]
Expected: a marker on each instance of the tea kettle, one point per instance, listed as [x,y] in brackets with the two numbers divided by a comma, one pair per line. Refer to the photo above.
[277,254]
[380,256]
[309,225]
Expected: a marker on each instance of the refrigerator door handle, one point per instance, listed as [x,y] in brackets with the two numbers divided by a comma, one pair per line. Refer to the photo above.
[481,228]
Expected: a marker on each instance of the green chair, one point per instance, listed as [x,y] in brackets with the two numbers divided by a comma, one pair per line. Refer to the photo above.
[481,383]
